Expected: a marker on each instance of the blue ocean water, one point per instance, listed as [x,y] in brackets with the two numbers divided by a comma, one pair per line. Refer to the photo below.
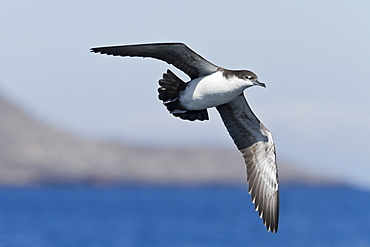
[179,216]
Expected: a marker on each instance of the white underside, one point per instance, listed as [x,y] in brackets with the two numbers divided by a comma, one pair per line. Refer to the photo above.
[212,90]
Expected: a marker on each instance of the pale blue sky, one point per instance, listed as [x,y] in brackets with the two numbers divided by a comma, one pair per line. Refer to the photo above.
[314,57]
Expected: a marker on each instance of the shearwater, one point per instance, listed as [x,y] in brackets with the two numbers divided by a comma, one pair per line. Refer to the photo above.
[213,86]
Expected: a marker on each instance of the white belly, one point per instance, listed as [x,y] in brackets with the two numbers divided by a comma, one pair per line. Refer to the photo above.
[210,91]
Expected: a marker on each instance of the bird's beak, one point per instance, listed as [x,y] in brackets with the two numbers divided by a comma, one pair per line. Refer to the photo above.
[258,83]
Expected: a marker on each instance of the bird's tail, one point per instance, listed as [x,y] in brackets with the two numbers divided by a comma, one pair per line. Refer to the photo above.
[169,93]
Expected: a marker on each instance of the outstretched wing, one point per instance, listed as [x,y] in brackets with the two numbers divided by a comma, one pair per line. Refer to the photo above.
[255,142]
[177,54]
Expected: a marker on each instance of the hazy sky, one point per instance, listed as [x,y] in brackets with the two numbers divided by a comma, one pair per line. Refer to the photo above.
[314,57]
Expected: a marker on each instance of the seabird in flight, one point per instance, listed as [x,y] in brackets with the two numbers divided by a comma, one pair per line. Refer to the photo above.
[213,86]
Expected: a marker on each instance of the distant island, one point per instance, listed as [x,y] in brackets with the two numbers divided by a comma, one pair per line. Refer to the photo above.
[33,153]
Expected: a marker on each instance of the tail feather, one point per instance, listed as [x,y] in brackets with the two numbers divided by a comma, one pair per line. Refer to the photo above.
[170,88]
[169,93]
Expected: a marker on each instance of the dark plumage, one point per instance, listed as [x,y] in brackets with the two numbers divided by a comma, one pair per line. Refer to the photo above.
[252,139]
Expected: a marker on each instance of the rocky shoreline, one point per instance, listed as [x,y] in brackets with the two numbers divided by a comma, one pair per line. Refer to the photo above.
[33,153]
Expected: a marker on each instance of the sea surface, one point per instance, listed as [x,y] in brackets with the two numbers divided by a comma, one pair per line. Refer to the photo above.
[180,216]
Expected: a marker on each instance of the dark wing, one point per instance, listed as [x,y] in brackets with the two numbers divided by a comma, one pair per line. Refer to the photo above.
[255,142]
[177,54]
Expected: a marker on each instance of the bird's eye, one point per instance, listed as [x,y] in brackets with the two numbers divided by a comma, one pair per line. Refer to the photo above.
[249,77]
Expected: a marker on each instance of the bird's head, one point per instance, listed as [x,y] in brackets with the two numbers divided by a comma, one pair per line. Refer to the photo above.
[251,78]
[246,77]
